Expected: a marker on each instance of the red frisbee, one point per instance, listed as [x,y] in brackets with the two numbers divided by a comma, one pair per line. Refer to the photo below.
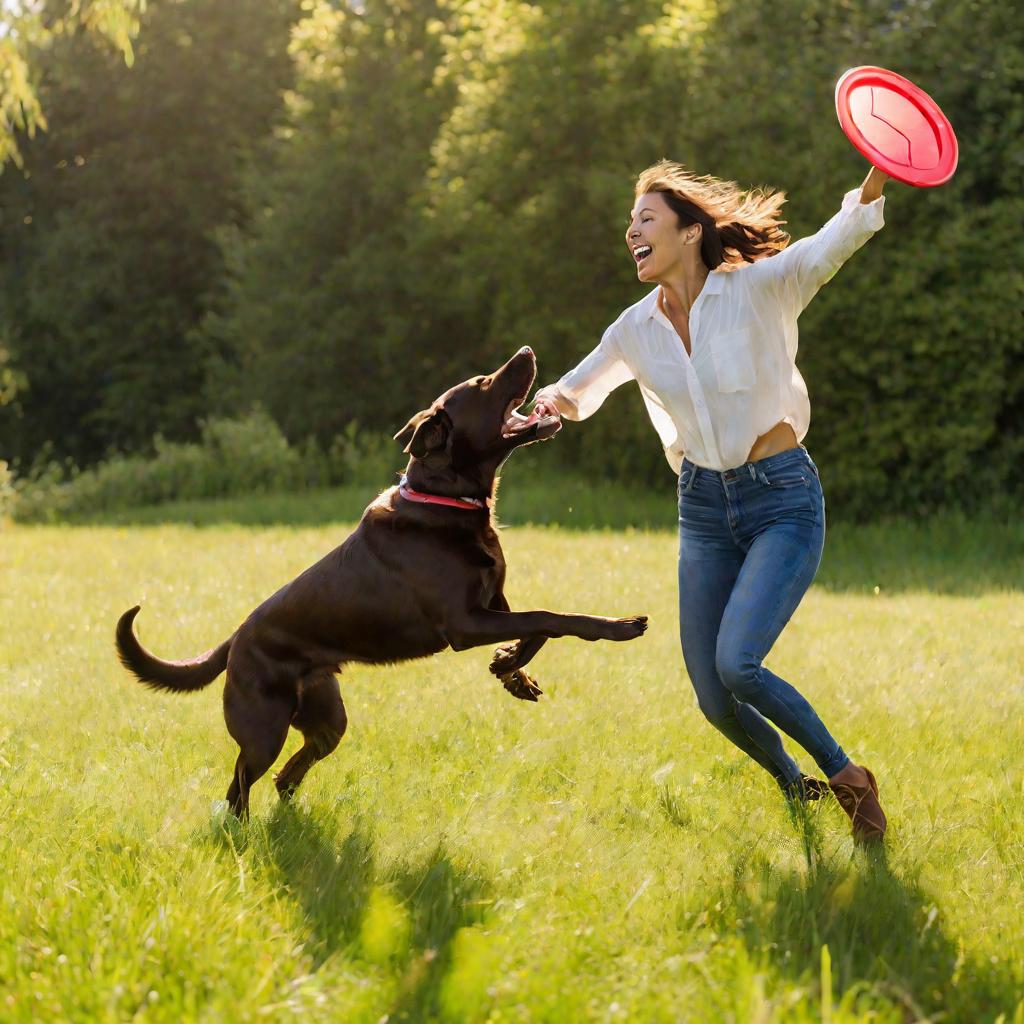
[897,126]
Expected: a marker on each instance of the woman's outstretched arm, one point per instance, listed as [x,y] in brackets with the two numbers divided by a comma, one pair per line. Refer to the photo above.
[796,273]
[873,184]
[581,392]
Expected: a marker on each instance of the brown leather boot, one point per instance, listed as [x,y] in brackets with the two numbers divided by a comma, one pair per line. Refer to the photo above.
[861,804]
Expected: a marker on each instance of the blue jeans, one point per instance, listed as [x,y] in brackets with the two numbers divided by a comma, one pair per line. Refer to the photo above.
[750,540]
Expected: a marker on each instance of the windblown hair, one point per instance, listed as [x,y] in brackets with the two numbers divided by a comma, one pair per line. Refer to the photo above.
[737,227]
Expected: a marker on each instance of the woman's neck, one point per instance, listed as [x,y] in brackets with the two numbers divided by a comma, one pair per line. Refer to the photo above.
[679,291]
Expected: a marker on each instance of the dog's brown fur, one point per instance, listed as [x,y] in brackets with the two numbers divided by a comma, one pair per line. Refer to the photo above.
[411,580]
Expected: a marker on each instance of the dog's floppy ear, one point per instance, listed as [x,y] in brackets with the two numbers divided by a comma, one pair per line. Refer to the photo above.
[426,432]
[404,436]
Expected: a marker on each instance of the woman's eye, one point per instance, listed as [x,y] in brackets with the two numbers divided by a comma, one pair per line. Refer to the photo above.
[644,220]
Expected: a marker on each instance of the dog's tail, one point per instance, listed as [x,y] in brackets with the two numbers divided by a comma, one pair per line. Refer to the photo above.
[177,676]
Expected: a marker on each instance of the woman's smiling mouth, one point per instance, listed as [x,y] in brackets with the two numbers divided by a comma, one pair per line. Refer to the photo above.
[641,252]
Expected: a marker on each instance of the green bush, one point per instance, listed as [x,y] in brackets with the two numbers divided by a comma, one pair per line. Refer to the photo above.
[234,457]
[8,496]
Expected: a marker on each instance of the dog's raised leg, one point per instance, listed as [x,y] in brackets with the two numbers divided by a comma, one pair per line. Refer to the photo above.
[479,626]
[508,662]
[322,721]
[510,657]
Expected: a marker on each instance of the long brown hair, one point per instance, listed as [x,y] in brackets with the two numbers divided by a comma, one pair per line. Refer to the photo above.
[737,227]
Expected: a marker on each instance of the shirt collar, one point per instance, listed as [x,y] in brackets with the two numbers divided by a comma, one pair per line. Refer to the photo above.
[712,286]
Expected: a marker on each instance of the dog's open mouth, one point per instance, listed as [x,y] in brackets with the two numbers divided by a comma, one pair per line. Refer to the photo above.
[516,423]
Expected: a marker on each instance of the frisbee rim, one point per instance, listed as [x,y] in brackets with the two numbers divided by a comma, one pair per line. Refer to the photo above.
[949,152]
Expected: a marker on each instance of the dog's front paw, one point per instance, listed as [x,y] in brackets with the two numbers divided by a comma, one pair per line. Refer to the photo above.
[629,628]
[520,685]
[504,660]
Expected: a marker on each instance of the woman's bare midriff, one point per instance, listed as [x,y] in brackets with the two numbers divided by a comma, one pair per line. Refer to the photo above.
[780,438]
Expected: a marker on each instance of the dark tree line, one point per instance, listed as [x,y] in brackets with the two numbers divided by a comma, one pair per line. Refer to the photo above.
[336,212]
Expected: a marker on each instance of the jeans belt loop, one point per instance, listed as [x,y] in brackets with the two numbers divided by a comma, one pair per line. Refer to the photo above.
[693,477]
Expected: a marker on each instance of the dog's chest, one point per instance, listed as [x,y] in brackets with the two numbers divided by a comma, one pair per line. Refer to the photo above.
[492,569]
[491,584]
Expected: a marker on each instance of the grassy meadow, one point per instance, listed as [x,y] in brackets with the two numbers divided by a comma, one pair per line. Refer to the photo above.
[603,855]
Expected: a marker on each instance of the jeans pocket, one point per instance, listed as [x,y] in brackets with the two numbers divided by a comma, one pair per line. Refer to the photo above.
[790,487]
[789,478]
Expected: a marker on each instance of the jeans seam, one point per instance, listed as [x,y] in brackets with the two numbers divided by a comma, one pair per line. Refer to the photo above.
[781,698]
[760,644]
[740,505]
[729,516]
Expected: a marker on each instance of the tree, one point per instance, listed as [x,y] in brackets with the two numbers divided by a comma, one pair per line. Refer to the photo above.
[319,316]
[26,32]
[108,243]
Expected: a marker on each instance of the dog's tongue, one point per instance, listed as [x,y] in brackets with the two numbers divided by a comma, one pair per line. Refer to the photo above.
[518,422]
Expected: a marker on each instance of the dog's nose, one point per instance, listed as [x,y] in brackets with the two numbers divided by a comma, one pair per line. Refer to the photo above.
[525,350]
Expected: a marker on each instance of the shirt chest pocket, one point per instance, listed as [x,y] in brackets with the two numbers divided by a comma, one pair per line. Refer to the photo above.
[734,360]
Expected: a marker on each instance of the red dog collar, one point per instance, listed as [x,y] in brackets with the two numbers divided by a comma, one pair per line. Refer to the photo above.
[438,499]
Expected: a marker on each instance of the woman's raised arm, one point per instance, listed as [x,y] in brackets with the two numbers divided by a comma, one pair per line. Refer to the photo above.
[803,267]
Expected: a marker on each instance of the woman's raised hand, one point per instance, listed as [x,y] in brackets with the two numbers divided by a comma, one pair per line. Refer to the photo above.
[546,407]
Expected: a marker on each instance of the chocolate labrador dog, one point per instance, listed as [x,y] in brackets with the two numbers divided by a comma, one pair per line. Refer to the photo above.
[422,571]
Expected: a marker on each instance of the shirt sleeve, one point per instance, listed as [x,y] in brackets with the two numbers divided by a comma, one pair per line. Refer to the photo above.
[582,391]
[802,268]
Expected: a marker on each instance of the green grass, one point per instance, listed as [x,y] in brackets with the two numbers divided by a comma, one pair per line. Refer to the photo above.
[949,553]
[603,855]
[573,502]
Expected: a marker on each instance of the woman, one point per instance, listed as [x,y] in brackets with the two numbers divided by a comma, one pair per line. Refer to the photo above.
[713,349]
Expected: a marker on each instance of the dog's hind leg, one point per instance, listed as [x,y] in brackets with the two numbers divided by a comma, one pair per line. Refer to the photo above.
[322,721]
[259,725]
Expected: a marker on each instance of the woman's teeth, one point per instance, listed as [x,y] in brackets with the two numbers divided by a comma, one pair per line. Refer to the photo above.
[641,252]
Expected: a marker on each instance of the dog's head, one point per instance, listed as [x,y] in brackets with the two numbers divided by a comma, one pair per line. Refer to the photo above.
[462,439]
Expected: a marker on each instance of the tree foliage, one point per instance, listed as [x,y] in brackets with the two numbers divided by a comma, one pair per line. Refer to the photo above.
[449,180]
[29,29]
[319,316]
[107,238]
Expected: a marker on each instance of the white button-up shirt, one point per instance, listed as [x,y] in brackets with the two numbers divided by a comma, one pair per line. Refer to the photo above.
[740,378]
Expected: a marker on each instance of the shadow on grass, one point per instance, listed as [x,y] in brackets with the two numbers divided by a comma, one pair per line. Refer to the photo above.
[328,879]
[442,899]
[299,855]
[884,932]
[335,884]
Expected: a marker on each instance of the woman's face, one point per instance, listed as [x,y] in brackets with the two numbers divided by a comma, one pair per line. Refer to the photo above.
[656,241]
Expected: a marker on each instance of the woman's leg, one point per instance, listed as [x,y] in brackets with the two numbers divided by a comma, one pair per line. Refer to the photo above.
[779,567]
[709,563]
